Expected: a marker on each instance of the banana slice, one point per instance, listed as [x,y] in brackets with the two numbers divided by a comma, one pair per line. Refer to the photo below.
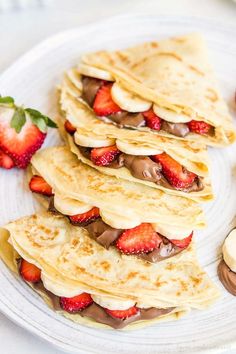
[59,289]
[92,140]
[171,116]
[68,206]
[127,100]
[117,221]
[172,232]
[94,72]
[112,303]
[229,250]
[136,149]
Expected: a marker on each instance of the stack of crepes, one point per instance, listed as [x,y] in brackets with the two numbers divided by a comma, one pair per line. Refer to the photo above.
[115,247]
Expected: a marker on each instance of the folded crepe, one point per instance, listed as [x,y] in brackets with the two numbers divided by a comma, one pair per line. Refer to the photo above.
[115,212]
[143,146]
[170,79]
[72,264]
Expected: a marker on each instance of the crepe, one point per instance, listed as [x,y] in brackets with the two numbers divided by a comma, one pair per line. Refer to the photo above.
[173,74]
[192,155]
[116,198]
[203,195]
[69,258]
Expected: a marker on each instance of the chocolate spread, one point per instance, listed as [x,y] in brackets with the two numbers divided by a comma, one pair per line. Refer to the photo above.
[106,236]
[129,119]
[227,277]
[177,129]
[90,89]
[144,168]
[98,313]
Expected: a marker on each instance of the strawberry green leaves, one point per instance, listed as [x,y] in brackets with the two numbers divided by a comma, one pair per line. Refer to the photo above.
[18,119]
[20,116]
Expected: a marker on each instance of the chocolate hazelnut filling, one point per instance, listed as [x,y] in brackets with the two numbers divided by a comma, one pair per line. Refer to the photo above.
[124,118]
[99,314]
[227,277]
[106,236]
[144,168]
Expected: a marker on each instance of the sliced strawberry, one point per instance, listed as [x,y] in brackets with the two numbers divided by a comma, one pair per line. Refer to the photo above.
[140,239]
[69,127]
[38,184]
[85,218]
[152,120]
[103,103]
[184,242]
[76,303]
[199,127]
[30,272]
[105,155]
[5,161]
[20,146]
[174,172]
[123,314]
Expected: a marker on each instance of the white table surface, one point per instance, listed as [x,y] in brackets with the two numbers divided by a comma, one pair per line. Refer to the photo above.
[22,29]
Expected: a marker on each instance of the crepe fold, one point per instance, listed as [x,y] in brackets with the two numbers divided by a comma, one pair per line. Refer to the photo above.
[193,156]
[68,257]
[174,74]
[118,198]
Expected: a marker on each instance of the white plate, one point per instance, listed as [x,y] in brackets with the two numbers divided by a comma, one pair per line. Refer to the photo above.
[31,80]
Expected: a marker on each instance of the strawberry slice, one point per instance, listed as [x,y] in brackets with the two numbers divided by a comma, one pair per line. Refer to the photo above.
[5,161]
[103,103]
[199,127]
[75,303]
[184,242]
[174,172]
[30,272]
[140,239]
[152,120]
[69,127]
[85,218]
[105,155]
[20,146]
[123,314]
[38,184]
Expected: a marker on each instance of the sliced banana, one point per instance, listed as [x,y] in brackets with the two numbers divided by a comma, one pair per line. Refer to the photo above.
[136,148]
[68,206]
[92,140]
[127,100]
[171,116]
[172,232]
[118,221]
[59,289]
[112,303]
[229,250]
[94,72]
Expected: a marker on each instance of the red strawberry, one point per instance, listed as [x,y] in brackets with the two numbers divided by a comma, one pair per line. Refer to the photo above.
[140,239]
[76,303]
[69,127]
[30,272]
[183,243]
[5,161]
[199,127]
[103,103]
[152,120]
[174,172]
[20,146]
[123,314]
[38,184]
[85,218]
[105,155]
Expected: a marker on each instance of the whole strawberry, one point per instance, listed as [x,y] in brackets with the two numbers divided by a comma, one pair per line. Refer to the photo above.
[22,131]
